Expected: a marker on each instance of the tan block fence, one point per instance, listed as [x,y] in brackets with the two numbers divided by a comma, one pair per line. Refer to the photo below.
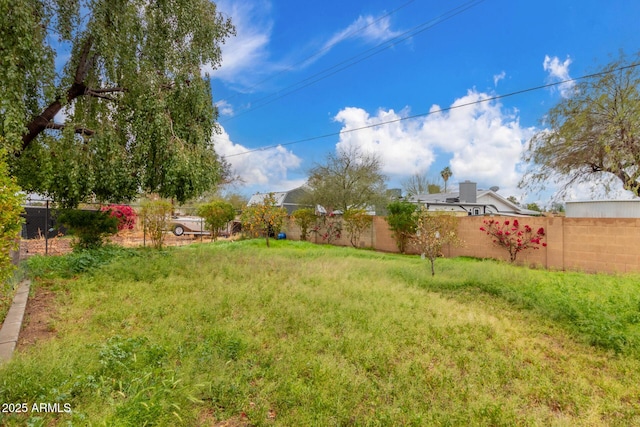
[607,245]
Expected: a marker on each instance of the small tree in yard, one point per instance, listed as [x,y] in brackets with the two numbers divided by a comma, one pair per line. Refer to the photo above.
[433,231]
[401,221]
[356,222]
[514,237]
[217,215]
[264,218]
[155,220]
[305,219]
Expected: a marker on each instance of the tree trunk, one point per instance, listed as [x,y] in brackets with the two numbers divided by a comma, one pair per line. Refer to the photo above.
[78,88]
[40,123]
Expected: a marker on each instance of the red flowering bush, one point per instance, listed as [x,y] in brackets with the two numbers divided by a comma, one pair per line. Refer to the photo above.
[513,237]
[329,228]
[124,213]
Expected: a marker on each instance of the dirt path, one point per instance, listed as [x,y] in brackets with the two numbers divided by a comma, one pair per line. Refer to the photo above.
[38,318]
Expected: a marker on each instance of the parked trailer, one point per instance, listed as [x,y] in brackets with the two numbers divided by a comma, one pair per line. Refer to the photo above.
[190,225]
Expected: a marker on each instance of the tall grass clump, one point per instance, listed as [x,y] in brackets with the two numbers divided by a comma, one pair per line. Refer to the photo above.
[79,261]
[600,309]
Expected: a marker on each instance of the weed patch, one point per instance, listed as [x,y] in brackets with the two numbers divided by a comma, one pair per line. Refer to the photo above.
[84,261]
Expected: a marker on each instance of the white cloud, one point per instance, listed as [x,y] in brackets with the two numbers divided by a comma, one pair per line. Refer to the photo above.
[368,28]
[484,141]
[398,144]
[498,77]
[559,72]
[246,58]
[224,108]
[245,54]
[265,170]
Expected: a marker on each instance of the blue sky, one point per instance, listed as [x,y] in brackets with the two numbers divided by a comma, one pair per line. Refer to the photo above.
[300,70]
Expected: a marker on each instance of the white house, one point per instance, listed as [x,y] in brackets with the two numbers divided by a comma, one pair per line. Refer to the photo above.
[471,201]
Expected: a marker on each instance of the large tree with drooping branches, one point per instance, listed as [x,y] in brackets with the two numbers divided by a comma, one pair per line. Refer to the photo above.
[593,135]
[104,99]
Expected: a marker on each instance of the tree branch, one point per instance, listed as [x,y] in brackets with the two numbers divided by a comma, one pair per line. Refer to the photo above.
[97,94]
[84,63]
[78,130]
[78,88]
[107,90]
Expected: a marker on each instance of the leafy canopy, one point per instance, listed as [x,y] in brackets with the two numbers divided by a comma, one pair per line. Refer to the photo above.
[130,111]
[402,222]
[217,215]
[10,220]
[592,135]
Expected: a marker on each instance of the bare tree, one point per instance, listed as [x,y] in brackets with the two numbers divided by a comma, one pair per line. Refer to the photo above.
[420,184]
[347,179]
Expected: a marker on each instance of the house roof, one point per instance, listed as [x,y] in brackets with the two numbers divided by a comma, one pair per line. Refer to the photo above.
[284,199]
[483,198]
[259,198]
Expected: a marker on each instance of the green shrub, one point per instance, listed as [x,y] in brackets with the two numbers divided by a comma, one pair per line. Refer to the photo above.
[356,222]
[10,220]
[305,218]
[89,227]
[69,265]
[402,222]
[155,220]
[217,214]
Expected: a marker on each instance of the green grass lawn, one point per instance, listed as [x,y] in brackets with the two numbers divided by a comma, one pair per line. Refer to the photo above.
[306,335]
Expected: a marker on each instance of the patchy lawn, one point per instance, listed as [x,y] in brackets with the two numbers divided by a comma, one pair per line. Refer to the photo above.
[235,334]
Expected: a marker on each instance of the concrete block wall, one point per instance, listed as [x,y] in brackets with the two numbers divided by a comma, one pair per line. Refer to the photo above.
[477,244]
[602,244]
[384,240]
[608,245]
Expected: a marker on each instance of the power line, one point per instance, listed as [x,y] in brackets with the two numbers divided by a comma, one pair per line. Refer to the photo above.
[441,110]
[326,48]
[347,63]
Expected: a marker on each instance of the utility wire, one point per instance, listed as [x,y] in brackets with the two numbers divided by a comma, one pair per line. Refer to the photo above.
[347,63]
[441,110]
